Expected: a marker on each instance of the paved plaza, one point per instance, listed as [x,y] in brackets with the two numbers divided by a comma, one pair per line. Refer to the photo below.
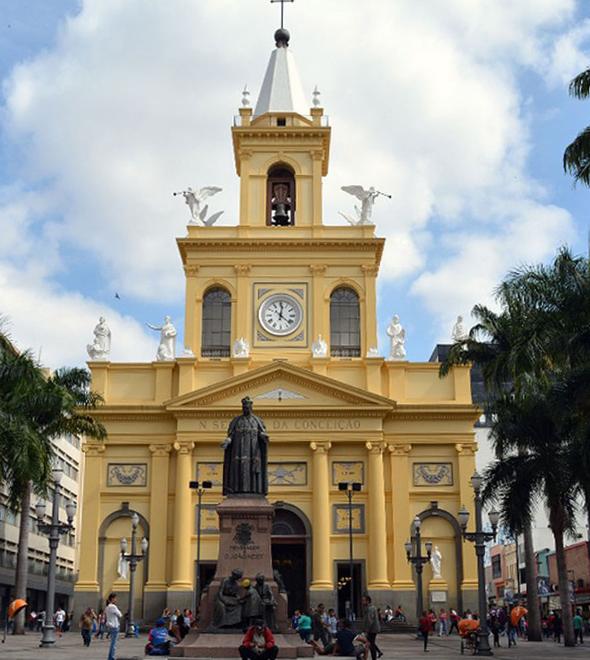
[400,647]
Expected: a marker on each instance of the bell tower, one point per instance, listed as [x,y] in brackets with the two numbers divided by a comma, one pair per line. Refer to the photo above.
[279,280]
[281,149]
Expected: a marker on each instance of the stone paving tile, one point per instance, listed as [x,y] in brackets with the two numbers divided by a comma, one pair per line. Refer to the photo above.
[394,647]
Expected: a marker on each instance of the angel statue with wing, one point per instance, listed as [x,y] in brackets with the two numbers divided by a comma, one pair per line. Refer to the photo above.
[195,199]
[367,198]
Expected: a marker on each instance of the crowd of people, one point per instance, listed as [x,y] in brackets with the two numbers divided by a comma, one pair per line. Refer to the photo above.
[319,627]
[330,636]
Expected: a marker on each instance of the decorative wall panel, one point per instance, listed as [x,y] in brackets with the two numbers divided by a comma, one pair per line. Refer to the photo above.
[433,474]
[287,474]
[127,474]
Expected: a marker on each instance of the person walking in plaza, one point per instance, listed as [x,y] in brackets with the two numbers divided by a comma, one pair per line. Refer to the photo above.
[113,623]
[319,625]
[425,628]
[443,619]
[454,618]
[557,628]
[86,623]
[579,626]
[59,618]
[371,626]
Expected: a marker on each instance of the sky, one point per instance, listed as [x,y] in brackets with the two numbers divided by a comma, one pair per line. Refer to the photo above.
[457,108]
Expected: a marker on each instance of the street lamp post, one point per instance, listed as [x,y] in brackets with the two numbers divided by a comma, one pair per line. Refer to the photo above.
[133,558]
[418,559]
[349,487]
[479,539]
[53,530]
[200,488]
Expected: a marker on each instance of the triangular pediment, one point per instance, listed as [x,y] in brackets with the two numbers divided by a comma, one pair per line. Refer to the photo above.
[283,385]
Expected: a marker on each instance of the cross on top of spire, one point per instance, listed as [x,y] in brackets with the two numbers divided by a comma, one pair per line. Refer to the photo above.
[282,8]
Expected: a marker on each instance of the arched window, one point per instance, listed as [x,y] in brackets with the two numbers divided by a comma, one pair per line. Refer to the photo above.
[216,337]
[345,326]
[280,196]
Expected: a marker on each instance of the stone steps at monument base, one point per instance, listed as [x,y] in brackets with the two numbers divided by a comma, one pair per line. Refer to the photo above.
[211,645]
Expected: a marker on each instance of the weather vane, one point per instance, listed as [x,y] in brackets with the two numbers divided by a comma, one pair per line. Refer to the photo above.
[282,8]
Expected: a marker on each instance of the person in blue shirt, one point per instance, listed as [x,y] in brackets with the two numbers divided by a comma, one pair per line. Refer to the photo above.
[158,639]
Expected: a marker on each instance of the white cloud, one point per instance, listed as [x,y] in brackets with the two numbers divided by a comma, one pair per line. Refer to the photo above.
[57,325]
[135,101]
[569,55]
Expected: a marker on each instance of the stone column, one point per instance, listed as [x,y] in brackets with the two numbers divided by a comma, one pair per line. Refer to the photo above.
[466,461]
[156,586]
[377,568]
[243,304]
[87,586]
[403,584]
[322,583]
[180,590]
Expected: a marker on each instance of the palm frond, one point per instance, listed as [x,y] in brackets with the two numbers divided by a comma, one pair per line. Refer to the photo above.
[576,157]
[580,85]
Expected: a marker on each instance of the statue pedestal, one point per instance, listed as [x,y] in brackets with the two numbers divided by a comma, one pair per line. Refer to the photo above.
[245,524]
[438,591]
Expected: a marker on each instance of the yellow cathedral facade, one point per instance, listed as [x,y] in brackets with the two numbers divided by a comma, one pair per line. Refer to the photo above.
[282,308]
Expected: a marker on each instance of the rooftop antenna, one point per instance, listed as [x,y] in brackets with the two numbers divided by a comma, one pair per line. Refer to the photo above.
[282,8]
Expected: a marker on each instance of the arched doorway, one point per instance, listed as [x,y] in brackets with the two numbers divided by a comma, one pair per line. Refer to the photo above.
[290,538]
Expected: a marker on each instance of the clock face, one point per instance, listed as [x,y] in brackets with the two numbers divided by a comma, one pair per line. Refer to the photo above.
[280,314]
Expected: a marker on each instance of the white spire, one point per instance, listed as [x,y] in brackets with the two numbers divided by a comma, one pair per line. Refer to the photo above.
[281,89]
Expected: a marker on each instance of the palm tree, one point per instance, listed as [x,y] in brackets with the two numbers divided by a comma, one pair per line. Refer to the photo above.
[576,157]
[539,346]
[533,463]
[34,410]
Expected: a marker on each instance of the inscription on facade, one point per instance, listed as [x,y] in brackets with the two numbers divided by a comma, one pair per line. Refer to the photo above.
[319,424]
[212,472]
[348,471]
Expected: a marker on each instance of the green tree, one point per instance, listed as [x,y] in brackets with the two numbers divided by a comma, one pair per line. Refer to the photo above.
[533,464]
[576,158]
[539,344]
[36,408]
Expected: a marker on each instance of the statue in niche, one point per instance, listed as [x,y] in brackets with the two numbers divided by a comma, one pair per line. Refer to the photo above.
[228,604]
[101,346]
[167,346]
[436,562]
[397,333]
[245,455]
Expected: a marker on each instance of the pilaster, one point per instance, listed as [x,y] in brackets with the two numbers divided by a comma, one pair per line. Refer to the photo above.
[318,325]
[244,302]
[192,320]
[93,469]
[370,272]
[400,506]
[466,461]
[377,568]
[159,515]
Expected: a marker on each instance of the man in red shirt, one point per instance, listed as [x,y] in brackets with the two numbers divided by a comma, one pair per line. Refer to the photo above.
[425,628]
[258,643]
